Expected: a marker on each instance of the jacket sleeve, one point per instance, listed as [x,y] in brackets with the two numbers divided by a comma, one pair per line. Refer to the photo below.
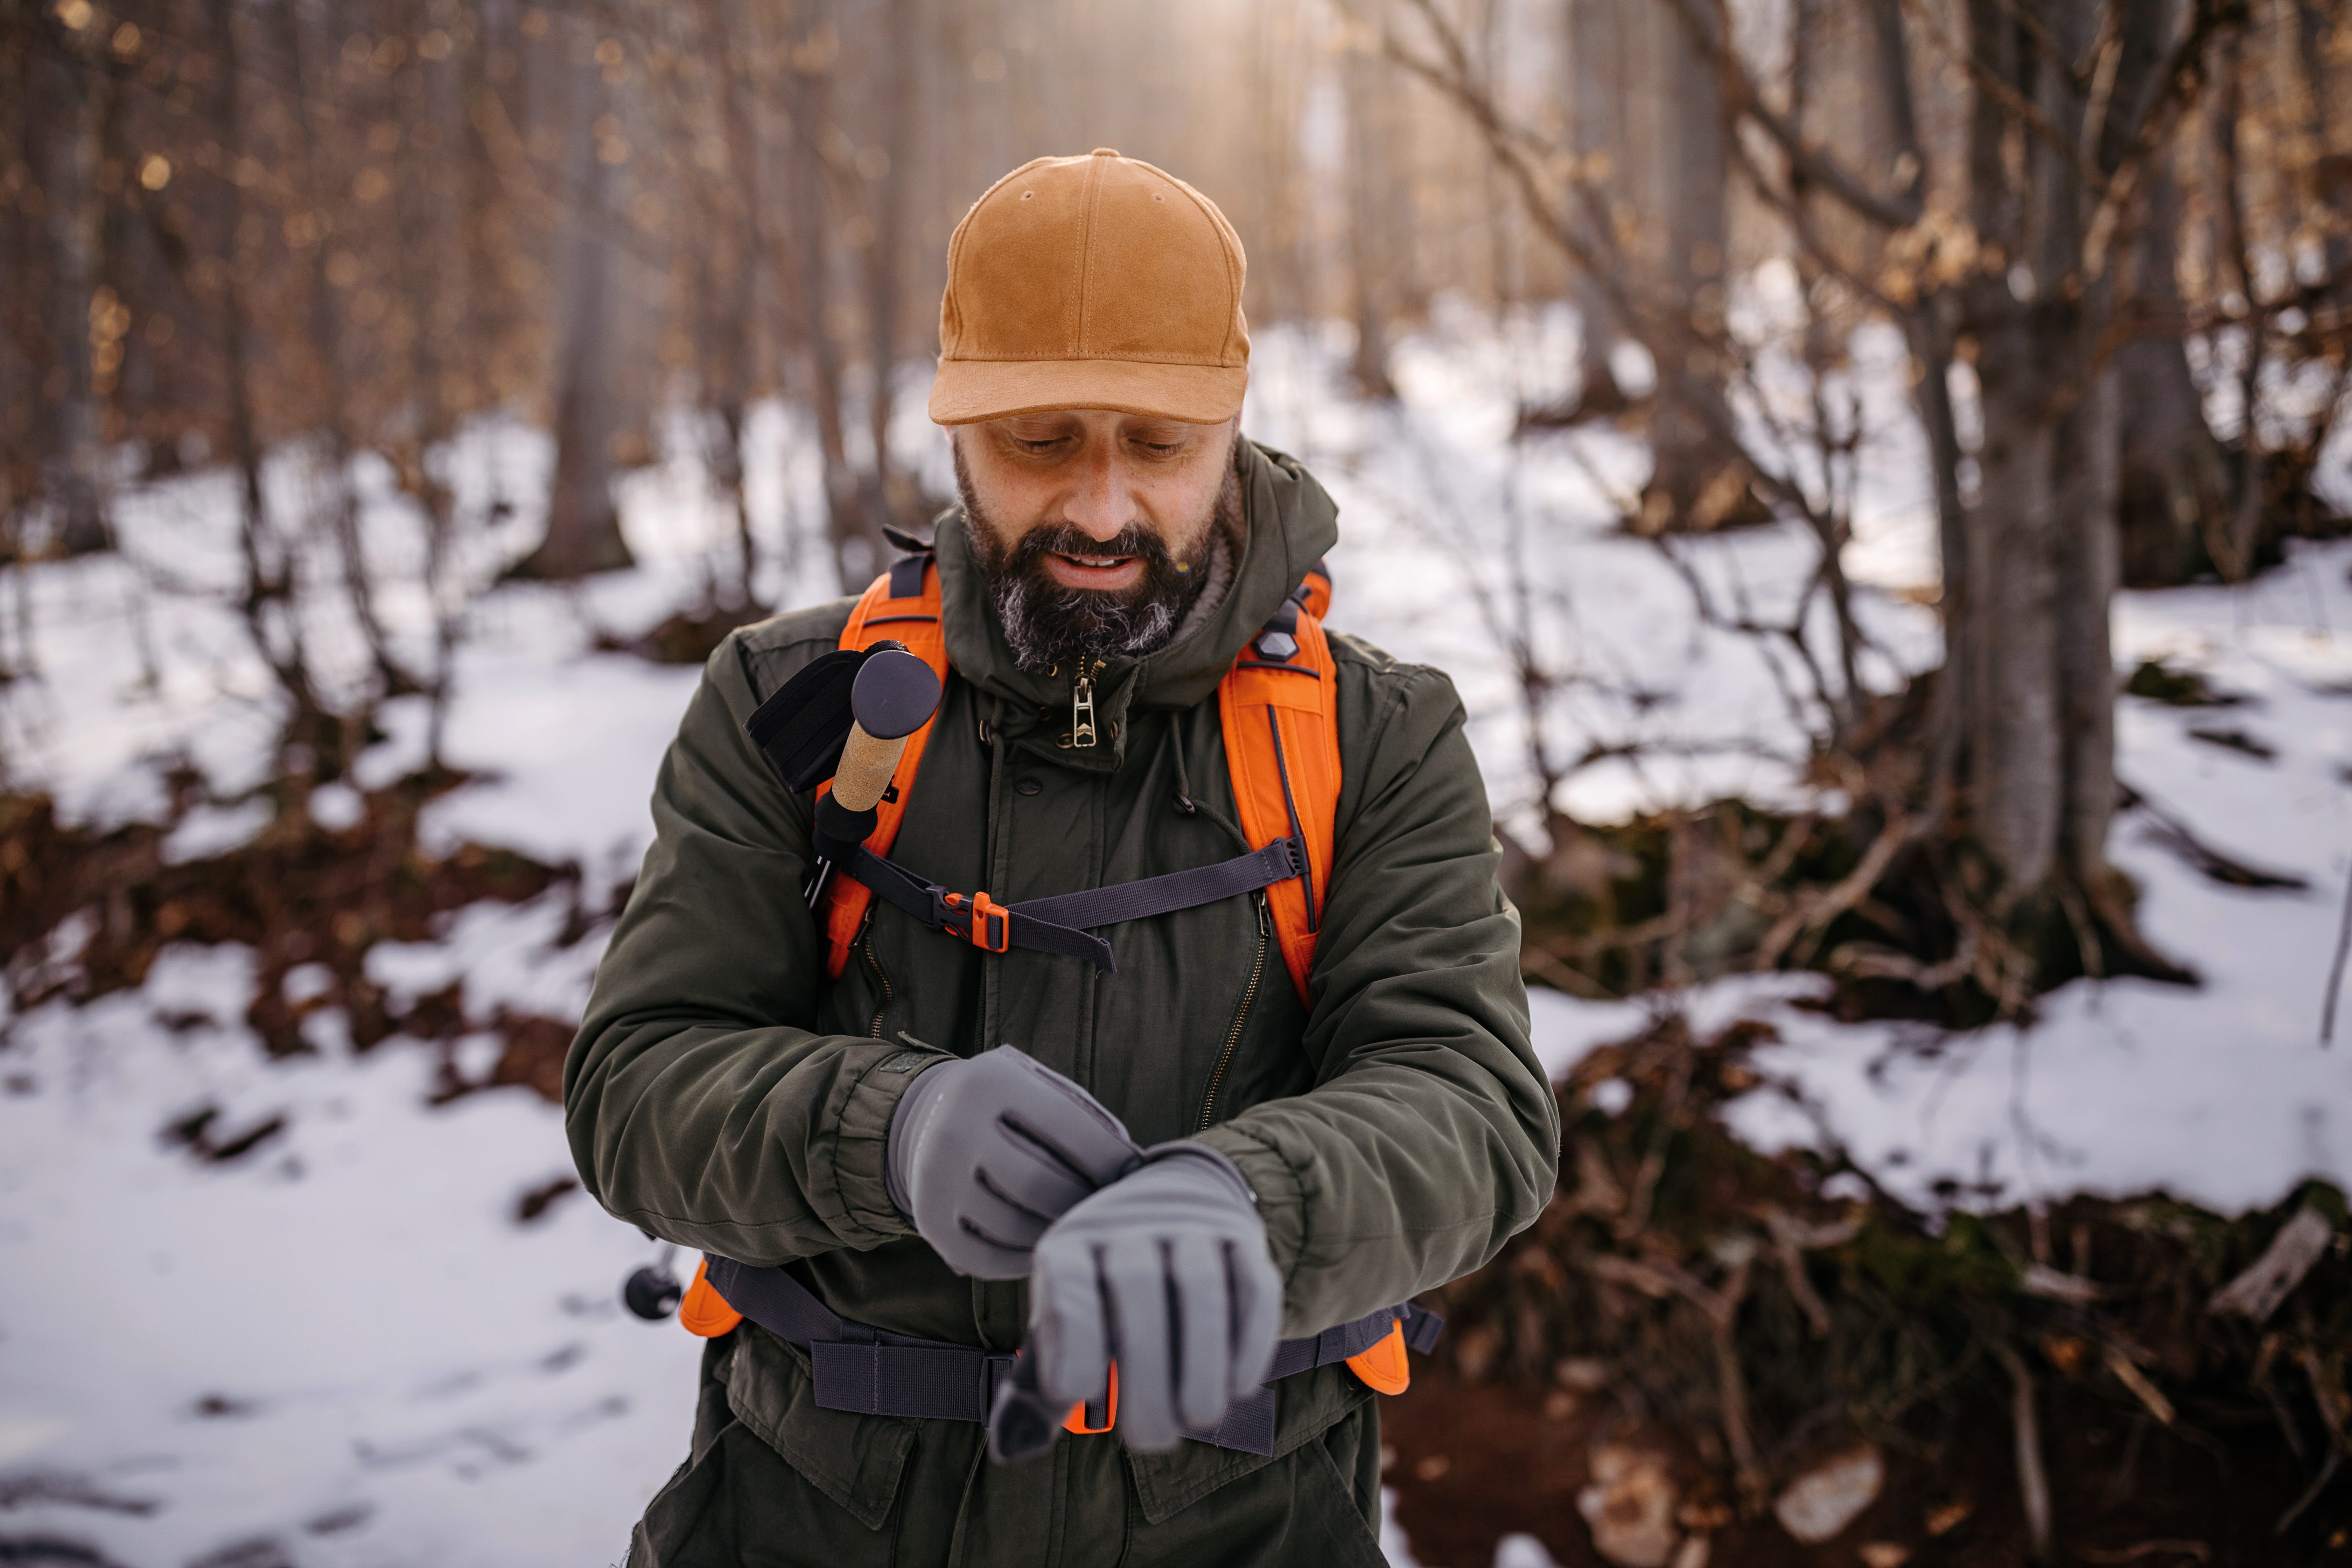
[1431,1135]
[697,1104]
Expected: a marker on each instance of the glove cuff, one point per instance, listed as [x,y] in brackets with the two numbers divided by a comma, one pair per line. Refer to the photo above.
[1185,1149]
[898,1157]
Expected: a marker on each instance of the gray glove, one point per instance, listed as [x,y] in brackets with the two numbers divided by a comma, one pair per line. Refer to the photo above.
[1167,1269]
[985,1153]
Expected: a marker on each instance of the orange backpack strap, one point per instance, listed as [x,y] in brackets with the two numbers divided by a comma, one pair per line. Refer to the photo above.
[1280,707]
[1315,592]
[903,605]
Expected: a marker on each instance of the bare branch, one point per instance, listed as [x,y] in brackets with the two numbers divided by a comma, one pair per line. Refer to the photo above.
[2183,78]
[1817,166]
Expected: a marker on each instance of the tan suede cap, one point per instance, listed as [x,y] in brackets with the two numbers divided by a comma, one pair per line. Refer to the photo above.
[1094,283]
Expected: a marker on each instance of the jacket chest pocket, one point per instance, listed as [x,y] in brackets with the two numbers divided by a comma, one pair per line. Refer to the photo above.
[859,1001]
[1250,989]
[1195,1023]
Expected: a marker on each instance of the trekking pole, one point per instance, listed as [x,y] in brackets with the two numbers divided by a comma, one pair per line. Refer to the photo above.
[893,696]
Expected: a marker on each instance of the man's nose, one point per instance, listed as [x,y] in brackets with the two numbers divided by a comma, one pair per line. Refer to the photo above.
[1101,504]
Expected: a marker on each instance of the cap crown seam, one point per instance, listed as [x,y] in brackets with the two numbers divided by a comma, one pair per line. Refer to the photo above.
[1089,200]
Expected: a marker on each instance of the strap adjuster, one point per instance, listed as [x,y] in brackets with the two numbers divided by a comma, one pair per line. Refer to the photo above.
[1092,1415]
[981,920]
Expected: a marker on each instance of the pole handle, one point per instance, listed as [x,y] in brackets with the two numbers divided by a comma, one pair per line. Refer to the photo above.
[866,763]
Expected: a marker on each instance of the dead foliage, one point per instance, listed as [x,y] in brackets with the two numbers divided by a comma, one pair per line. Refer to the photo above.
[1883,891]
[300,893]
[1720,1300]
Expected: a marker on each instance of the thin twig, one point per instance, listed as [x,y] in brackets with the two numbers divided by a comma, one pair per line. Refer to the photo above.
[2032,1476]
[2335,970]
[2311,1494]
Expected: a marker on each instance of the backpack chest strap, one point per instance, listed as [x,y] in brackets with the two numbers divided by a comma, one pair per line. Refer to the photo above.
[1059,924]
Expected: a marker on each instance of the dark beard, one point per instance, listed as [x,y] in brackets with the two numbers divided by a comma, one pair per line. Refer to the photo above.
[1047,624]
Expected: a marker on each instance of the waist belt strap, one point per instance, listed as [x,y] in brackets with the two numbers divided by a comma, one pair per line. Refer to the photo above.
[873,1372]
[1058,924]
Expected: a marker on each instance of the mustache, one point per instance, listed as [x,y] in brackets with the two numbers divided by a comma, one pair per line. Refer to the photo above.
[1067,539]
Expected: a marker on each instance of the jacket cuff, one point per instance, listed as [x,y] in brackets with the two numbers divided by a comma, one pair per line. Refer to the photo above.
[861,1144]
[1282,1199]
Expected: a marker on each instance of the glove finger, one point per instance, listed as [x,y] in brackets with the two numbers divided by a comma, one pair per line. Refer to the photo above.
[982,1211]
[1136,1275]
[1086,1141]
[1069,1332]
[1203,1332]
[1069,1124]
[1255,1296]
[1032,1176]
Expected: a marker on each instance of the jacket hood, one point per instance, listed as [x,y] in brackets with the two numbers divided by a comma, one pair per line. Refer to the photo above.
[1290,523]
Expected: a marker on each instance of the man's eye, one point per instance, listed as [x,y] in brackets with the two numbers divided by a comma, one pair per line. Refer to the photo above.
[1161,448]
[1042,447]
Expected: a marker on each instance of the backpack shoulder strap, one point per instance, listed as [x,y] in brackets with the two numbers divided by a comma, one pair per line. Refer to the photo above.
[1280,708]
[902,604]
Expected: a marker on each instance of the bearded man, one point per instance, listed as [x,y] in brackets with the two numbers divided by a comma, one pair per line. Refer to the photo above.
[1123,1136]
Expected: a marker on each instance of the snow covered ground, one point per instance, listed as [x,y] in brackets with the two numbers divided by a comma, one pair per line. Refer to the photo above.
[348,1348]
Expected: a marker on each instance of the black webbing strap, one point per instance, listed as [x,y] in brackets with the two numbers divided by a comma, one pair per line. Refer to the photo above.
[1171,890]
[1057,924]
[907,575]
[873,1372]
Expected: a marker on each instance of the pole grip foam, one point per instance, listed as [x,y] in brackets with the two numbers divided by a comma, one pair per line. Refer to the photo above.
[866,764]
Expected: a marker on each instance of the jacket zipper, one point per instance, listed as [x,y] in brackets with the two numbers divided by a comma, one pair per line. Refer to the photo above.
[1082,703]
[1241,1016]
[879,974]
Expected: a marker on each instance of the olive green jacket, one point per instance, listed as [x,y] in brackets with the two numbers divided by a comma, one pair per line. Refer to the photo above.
[1395,1126]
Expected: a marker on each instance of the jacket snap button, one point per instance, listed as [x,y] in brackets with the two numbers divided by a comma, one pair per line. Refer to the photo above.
[1027,786]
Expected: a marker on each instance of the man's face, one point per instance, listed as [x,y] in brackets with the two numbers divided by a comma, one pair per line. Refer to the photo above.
[1094,528]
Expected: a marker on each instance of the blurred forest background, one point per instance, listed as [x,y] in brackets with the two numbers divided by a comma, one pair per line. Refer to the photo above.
[2104,248]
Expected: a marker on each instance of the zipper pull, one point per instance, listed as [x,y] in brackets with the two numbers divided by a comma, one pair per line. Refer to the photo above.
[1261,913]
[1082,708]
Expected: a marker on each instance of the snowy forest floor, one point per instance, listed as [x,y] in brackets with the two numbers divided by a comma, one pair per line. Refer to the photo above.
[293,1271]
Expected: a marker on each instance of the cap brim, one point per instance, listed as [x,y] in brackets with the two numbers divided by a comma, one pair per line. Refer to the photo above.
[969,391]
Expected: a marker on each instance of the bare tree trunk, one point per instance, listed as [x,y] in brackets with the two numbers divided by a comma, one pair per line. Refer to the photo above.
[584,525]
[2031,643]
[854,533]
[1368,94]
[77,477]
[1699,481]
[24,286]
[1598,137]
[2322,33]
[2175,482]
[890,494]
[267,600]
[326,333]
[726,349]
[432,298]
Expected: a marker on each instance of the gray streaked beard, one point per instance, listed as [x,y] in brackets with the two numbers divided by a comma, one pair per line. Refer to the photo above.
[1046,625]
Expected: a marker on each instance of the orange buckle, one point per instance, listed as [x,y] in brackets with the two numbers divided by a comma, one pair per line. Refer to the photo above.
[1382,1366]
[987,924]
[990,925]
[1108,1406]
[705,1311]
